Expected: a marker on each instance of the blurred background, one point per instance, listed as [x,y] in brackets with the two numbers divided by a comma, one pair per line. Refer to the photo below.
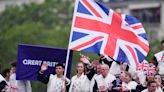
[48,23]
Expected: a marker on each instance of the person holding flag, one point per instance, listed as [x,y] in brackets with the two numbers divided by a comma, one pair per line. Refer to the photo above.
[93,70]
[98,29]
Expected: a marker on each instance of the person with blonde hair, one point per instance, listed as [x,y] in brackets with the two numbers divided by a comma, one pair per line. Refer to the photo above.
[127,82]
[80,82]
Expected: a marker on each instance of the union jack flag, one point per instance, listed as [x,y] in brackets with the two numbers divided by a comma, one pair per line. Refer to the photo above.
[151,70]
[98,29]
[144,66]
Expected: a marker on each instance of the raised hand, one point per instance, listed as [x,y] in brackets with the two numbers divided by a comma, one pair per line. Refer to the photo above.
[84,59]
[44,67]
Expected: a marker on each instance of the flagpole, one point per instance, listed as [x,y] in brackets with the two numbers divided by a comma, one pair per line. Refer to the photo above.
[66,64]
[70,38]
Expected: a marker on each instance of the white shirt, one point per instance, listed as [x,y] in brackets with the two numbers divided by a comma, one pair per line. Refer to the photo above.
[115,68]
[93,82]
[146,90]
[157,90]
[160,59]
[19,85]
[1,78]
[130,85]
[80,84]
[105,83]
[56,84]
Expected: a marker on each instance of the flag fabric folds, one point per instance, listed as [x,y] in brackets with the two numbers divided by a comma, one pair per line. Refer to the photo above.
[98,29]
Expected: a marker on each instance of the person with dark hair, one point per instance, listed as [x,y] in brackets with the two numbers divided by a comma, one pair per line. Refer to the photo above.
[18,85]
[55,83]
[159,60]
[127,82]
[13,67]
[6,75]
[158,80]
[151,87]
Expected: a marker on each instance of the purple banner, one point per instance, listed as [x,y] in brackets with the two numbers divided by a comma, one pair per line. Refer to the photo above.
[30,59]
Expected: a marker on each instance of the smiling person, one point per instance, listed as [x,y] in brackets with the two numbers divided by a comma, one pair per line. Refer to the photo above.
[158,80]
[105,79]
[80,82]
[92,71]
[151,87]
[127,82]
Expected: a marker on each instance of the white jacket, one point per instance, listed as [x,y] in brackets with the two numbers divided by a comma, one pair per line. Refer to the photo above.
[131,85]
[56,84]
[105,83]
[160,58]
[115,68]
[19,85]
[82,84]
[157,90]
[1,78]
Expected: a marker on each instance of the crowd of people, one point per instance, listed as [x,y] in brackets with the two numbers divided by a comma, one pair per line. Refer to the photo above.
[103,75]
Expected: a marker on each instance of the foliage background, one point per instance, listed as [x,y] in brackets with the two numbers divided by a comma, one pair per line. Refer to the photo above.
[46,24]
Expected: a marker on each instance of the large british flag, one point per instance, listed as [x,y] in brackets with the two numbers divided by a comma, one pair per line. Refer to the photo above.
[100,30]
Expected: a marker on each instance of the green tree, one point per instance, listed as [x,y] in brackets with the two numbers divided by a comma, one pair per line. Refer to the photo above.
[34,24]
[46,24]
